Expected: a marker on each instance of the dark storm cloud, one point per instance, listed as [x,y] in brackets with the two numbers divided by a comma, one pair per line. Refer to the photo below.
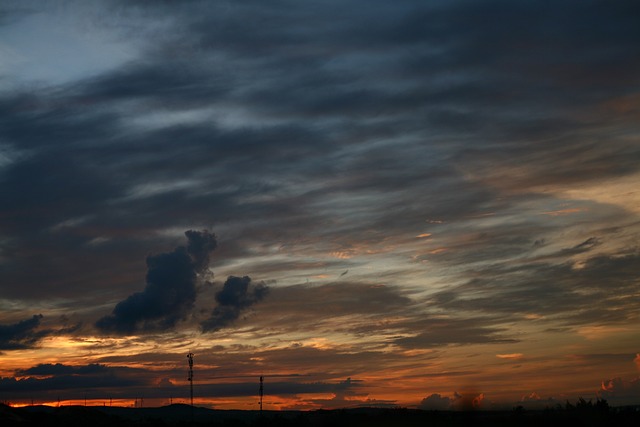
[47,369]
[62,382]
[24,334]
[28,333]
[170,292]
[237,294]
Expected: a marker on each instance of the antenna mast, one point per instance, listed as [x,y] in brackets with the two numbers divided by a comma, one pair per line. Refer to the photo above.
[190,379]
[261,392]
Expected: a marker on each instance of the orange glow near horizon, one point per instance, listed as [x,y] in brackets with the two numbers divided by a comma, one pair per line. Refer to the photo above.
[413,375]
[124,403]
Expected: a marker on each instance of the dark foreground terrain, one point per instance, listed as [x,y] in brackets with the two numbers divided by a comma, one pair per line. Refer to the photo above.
[182,415]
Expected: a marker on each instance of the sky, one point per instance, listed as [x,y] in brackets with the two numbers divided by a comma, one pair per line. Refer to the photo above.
[427,204]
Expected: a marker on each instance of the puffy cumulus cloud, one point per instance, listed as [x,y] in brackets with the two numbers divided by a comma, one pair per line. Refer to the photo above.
[618,391]
[237,294]
[464,401]
[533,396]
[170,292]
[467,401]
[435,402]
[200,245]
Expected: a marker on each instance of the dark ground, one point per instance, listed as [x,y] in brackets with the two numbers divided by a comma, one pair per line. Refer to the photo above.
[181,415]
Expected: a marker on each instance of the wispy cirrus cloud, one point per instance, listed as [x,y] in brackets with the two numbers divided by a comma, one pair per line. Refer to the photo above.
[579,295]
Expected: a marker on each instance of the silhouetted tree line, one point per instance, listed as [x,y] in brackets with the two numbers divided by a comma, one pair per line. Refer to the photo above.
[601,406]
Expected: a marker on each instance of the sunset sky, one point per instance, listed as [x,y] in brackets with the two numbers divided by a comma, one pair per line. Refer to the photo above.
[407,203]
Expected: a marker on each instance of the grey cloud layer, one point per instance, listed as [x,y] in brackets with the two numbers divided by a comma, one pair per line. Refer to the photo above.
[102,382]
[451,69]
[49,381]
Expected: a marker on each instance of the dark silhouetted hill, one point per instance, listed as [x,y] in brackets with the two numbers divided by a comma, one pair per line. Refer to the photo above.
[181,415]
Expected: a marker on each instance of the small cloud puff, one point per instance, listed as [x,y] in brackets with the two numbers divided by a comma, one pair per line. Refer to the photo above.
[618,391]
[236,295]
[435,402]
